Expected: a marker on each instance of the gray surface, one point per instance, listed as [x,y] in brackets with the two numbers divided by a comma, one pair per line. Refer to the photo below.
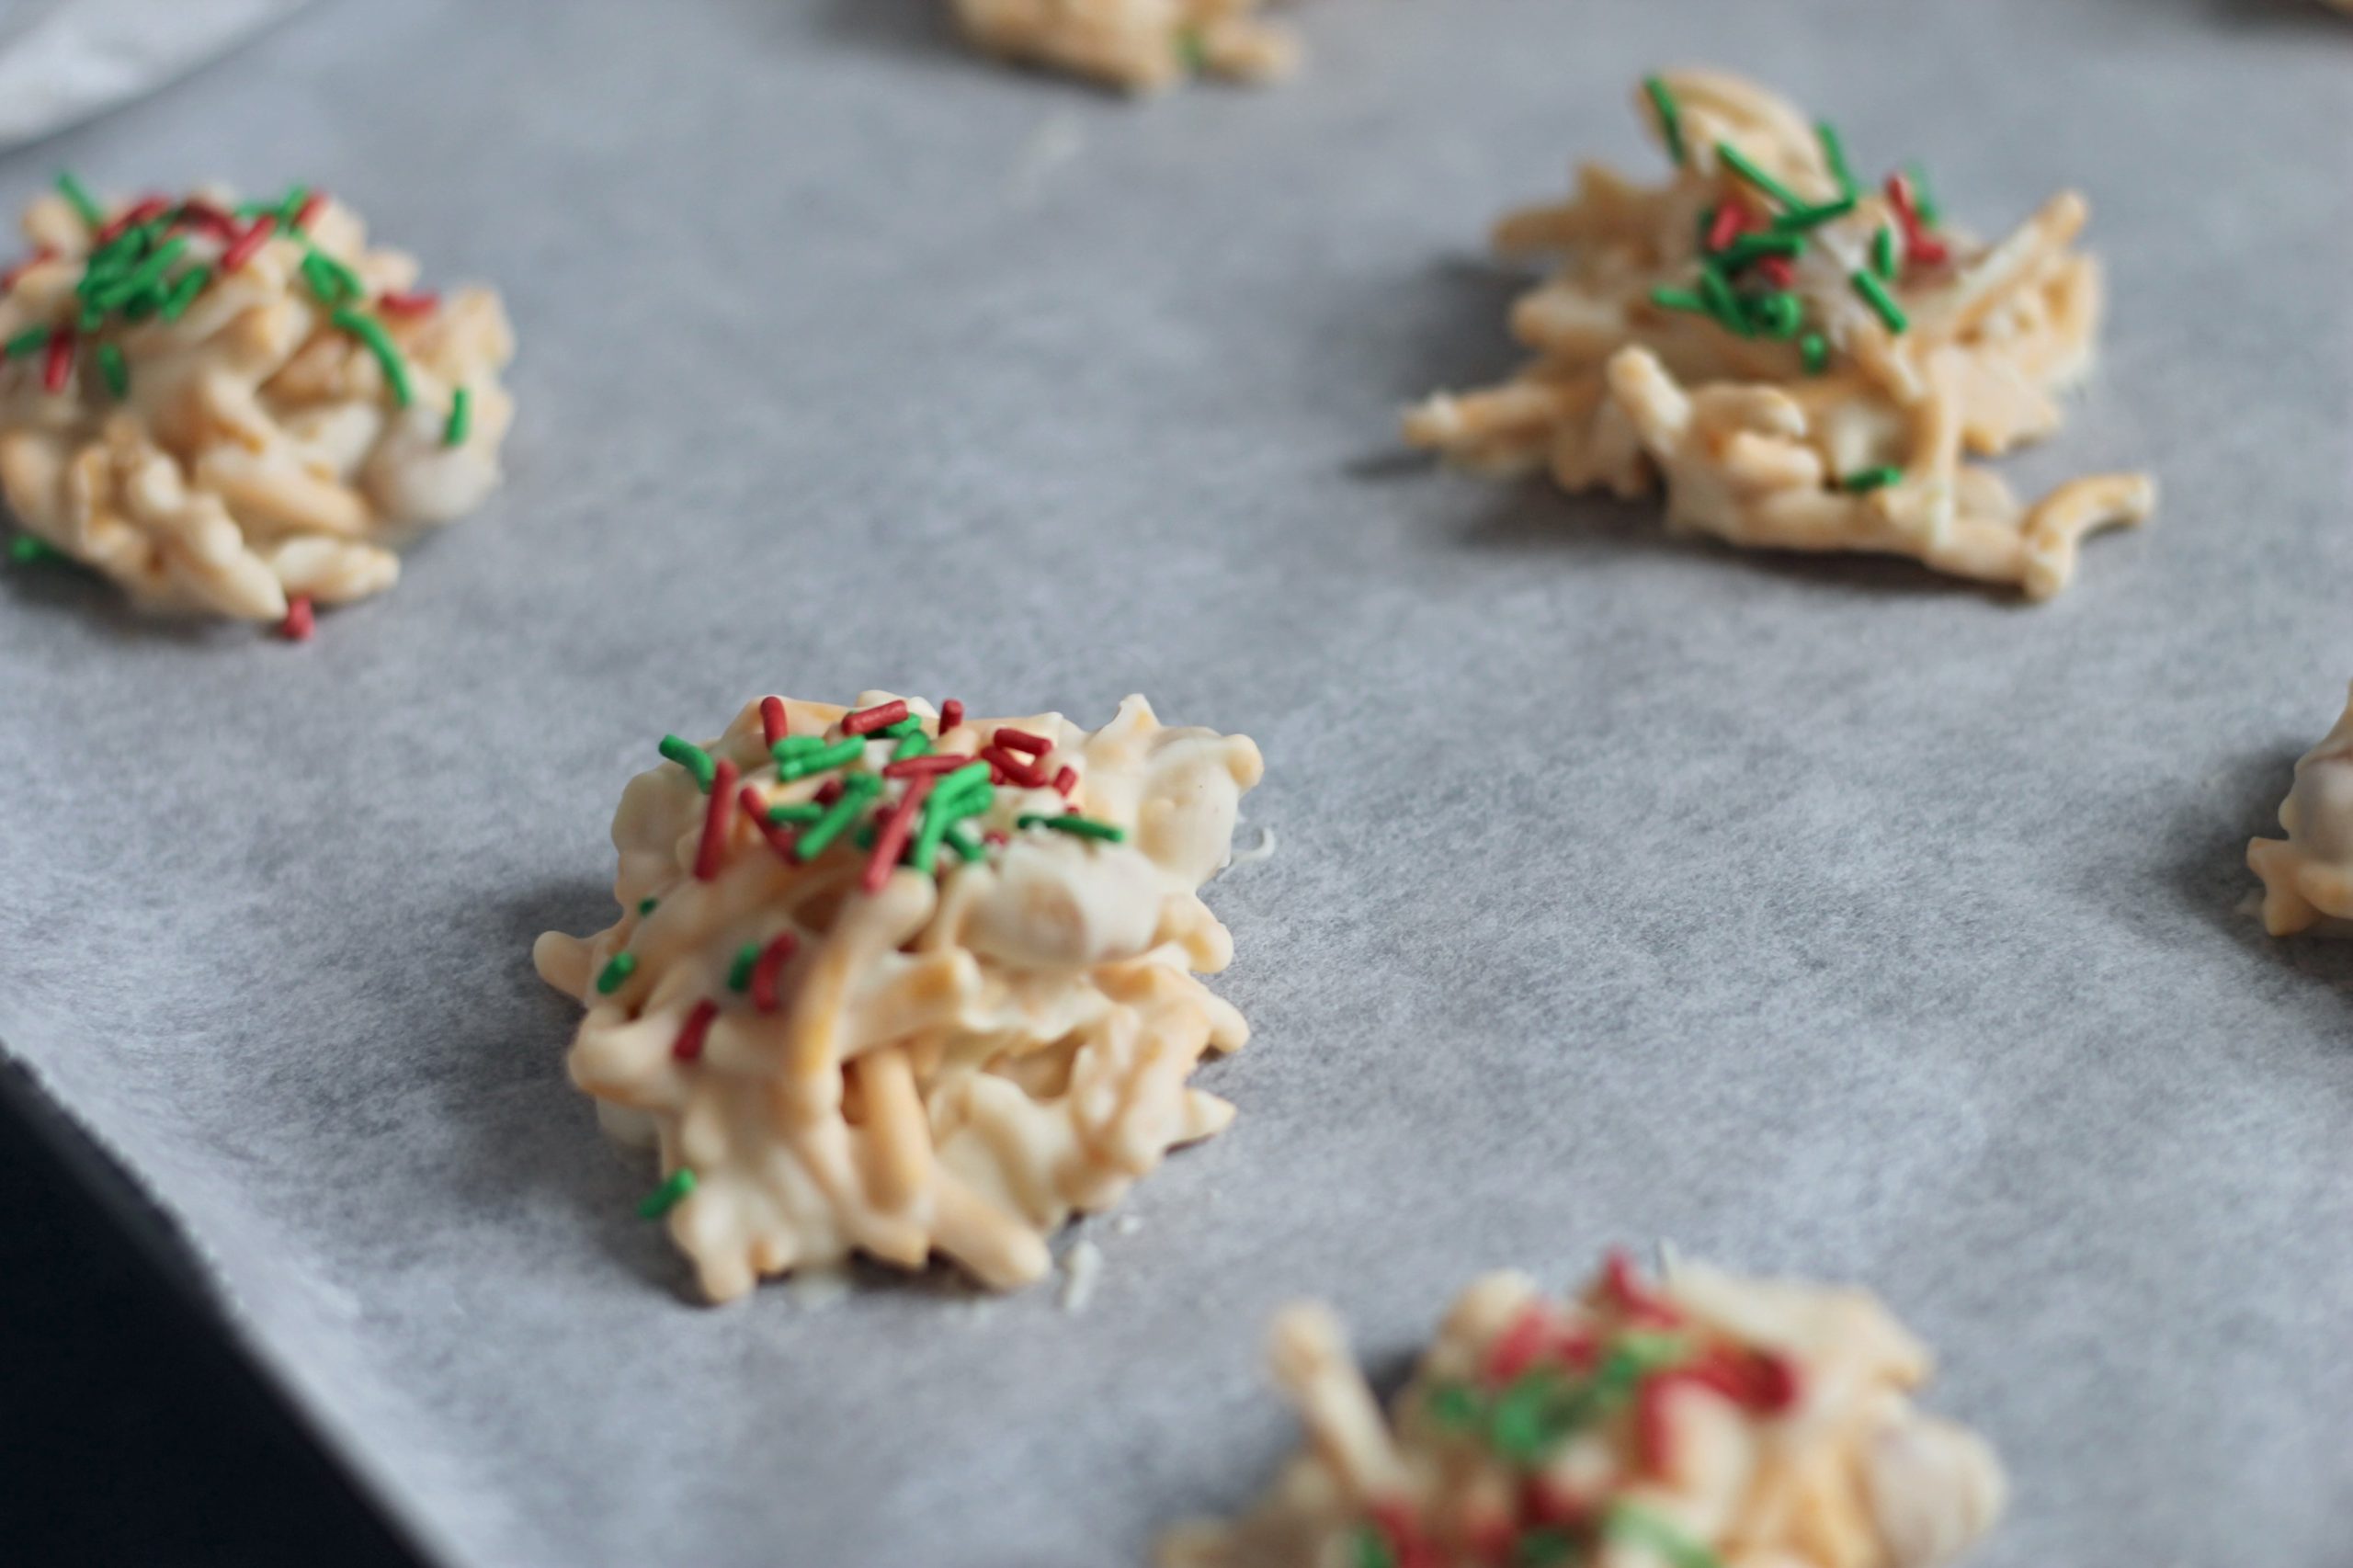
[1820,916]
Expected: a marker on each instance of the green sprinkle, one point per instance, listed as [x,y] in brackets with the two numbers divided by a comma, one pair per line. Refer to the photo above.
[71,189]
[291,207]
[668,1196]
[346,281]
[1875,295]
[1516,1427]
[796,811]
[940,815]
[1640,1526]
[793,745]
[1815,349]
[29,341]
[960,839]
[1455,1407]
[117,373]
[1707,224]
[1834,153]
[1924,201]
[1192,50]
[461,418]
[739,973]
[324,285]
[1749,247]
[1883,253]
[1370,1550]
[369,331]
[1722,303]
[1777,316]
[962,780]
[139,278]
[90,318]
[864,837]
[27,551]
[789,769]
[1084,827]
[1679,299]
[1545,1548]
[1670,115]
[1800,218]
[1749,170]
[907,726]
[620,967]
[915,743]
[819,835]
[646,906]
[1864,481]
[691,757]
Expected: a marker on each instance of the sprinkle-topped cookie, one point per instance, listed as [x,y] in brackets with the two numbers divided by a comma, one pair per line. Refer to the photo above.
[1140,45]
[236,407]
[1799,355]
[1707,1421]
[893,982]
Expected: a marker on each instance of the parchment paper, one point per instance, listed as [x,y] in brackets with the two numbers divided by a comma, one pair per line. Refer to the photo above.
[1818,915]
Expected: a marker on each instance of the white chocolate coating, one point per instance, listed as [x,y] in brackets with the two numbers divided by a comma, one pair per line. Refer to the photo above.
[2308,877]
[1628,393]
[1769,1427]
[1139,45]
[959,1061]
[259,453]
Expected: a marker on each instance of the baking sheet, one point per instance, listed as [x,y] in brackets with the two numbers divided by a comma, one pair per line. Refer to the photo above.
[1817,915]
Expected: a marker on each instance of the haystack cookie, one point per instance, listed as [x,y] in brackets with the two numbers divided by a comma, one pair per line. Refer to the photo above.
[1800,359]
[897,983]
[1139,45]
[1708,1422]
[2308,877]
[237,409]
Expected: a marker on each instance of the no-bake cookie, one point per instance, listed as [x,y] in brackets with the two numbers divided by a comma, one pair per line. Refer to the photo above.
[2308,876]
[1708,1421]
[239,408]
[1139,45]
[894,981]
[1800,359]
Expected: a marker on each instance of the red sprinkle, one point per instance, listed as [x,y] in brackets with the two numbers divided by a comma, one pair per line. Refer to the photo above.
[1019,771]
[1490,1535]
[1022,740]
[829,791]
[715,819]
[994,838]
[1918,243]
[1066,781]
[1547,1503]
[418,302]
[1730,222]
[1518,1347]
[1623,1285]
[1774,1382]
[1654,1432]
[1397,1521]
[774,726]
[310,209]
[198,213]
[299,621]
[8,278]
[1778,271]
[891,841]
[767,965]
[688,1047]
[129,217]
[916,766]
[952,714]
[866,720]
[60,363]
[779,836]
[242,249]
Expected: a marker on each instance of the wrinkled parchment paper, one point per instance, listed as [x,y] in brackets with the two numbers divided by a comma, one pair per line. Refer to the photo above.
[1817,915]
[62,60]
